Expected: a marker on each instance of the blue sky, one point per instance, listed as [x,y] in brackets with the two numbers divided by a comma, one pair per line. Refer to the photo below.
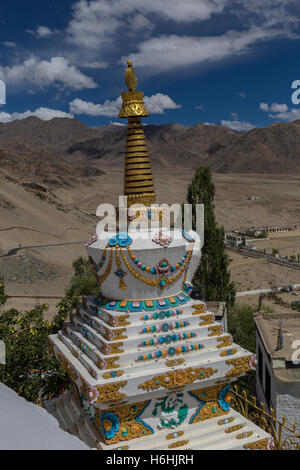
[229,62]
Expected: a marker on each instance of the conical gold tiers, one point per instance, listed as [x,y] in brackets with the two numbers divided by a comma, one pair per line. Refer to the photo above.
[138,185]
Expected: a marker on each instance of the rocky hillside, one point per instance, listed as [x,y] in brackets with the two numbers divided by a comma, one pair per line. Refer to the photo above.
[274,149]
[24,163]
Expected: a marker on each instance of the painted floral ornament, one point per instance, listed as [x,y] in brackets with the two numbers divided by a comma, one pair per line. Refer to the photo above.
[87,405]
[102,364]
[162,239]
[149,214]
[131,214]
[163,267]
[224,398]
[92,240]
[271,444]
[171,410]
[93,394]
[110,424]
[120,273]
[252,362]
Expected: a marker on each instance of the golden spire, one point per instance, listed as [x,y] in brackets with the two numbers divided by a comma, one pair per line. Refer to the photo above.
[138,184]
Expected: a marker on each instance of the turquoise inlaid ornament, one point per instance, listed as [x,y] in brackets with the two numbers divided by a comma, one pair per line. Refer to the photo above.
[224,398]
[110,424]
[112,241]
[121,239]
[120,273]
[139,306]
[124,239]
[187,236]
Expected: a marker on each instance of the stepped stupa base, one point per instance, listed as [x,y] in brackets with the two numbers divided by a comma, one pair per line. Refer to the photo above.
[229,432]
[141,400]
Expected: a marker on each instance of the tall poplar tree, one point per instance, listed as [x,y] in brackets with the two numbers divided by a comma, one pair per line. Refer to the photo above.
[212,275]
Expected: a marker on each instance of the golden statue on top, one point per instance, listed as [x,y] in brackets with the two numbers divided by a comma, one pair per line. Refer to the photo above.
[130,77]
[133,101]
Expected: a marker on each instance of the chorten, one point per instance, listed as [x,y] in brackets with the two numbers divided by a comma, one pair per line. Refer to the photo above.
[149,367]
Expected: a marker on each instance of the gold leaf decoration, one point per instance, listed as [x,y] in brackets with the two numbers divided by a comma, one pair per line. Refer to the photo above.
[240,365]
[176,379]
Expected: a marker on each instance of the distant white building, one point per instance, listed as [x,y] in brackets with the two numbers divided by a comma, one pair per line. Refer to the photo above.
[257,231]
[235,238]
[277,376]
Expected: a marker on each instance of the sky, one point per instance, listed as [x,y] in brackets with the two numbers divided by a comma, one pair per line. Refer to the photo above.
[228,62]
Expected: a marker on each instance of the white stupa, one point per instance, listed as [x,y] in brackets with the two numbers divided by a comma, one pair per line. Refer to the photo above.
[150,368]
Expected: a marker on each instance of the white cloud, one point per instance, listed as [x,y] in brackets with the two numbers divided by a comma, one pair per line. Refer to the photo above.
[115,123]
[165,53]
[108,108]
[8,44]
[241,94]
[279,108]
[235,116]
[182,11]
[94,65]
[57,71]
[46,114]
[156,104]
[107,25]
[287,116]
[95,22]
[42,31]
[281,112]
[264,106]
[240,126]
[139,23]
[274,108]
[200,107]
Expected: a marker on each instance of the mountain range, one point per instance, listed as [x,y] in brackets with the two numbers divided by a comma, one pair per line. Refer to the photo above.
[62,151]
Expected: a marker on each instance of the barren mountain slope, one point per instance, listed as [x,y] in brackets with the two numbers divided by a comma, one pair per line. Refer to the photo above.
[274,149]
[24,163]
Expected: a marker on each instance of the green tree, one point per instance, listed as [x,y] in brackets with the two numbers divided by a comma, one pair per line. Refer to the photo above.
[83,282]
[212,275]
[241,326]
[30,369]
[3,296]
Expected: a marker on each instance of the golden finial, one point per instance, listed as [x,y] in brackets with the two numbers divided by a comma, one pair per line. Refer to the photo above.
[133,101]
[130,77]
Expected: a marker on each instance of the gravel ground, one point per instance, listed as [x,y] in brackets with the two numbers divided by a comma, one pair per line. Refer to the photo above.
[24,267]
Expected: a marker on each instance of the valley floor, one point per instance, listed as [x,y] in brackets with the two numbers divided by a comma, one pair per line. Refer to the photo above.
[28,220]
